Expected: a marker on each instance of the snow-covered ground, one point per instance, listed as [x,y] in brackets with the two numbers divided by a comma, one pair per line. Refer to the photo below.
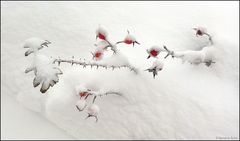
[183,102]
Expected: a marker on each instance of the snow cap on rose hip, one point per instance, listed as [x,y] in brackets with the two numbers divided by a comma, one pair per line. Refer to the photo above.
[93,110]
[200,31]
[101,33]
[129,39]
[154,51]
[79,89]
[158,65]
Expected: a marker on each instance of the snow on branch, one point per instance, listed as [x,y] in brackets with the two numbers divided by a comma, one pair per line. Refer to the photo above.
[93,111]
[46,83]
[200,31]
[35,44]
[100,94]
[129,39]
[102,34]
[45,72]
[193,57]
[84,94]
[203,56]
[155,50]
[94,64]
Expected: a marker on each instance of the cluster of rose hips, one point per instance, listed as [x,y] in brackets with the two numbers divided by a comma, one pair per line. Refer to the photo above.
[84,94]
[102,34]
[155,50]
[81,104]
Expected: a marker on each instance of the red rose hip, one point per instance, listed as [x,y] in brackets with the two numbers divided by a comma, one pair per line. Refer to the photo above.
[154,53]
[101,33]
[101,36]
[97,55]
[199,32]
[127,41]
[82,94]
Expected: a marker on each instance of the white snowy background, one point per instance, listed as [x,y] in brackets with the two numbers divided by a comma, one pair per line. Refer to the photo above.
[183,102]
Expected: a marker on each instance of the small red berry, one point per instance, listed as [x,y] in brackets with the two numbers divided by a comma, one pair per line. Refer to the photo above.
[82,94]
[98,54]
[127,41]
[101,33]
[101,36]
[199,32]
[154,52]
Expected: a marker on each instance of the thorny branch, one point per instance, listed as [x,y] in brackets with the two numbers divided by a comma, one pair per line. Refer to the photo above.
[92,64]
[199,32]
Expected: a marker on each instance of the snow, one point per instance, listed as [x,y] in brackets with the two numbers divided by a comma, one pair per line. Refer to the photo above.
[130,38]
[101,45]
[197,57]
[116,59]
[17,122]
[93,110]
[45,71]
[157,64]
[184,101]
[34,44]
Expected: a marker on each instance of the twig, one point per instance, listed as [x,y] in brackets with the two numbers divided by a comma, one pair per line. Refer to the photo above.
[96,94]
[92,116]
[209,38]
[208,63]
[81,109]
[111,46]
[169,52]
